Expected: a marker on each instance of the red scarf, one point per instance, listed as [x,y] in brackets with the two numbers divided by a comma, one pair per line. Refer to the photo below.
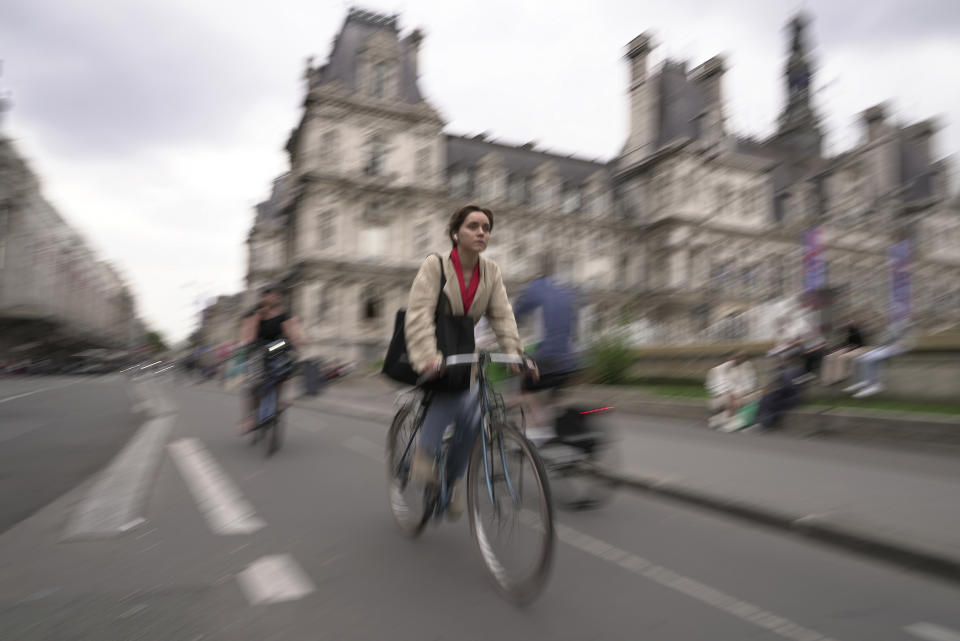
[466,293]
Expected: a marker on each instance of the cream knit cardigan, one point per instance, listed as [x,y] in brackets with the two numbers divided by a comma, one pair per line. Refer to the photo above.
[490,301]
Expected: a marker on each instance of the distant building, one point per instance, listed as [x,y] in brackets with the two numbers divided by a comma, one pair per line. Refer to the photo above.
[220,324]
[692,233]
[54,292]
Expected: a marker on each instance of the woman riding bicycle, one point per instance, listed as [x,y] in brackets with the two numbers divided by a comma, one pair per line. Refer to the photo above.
[474,288]
[269,322]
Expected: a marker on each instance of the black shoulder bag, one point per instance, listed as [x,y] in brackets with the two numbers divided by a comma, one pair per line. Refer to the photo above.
[454,336]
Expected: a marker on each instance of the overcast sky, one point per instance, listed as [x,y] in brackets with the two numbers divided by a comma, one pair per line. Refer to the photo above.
[156,126]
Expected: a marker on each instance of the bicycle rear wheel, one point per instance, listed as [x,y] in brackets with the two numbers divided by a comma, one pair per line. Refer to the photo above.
[410,503]
[582,464]
[511,513]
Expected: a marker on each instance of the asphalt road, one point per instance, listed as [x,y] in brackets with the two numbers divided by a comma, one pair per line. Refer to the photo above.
[317,515]
[54,433]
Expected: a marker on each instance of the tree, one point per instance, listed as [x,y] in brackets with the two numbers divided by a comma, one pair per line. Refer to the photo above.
[155,342]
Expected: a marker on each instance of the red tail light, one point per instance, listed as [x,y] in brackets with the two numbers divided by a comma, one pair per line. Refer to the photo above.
[599,409]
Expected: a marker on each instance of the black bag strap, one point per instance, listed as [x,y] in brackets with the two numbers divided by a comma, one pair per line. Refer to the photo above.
[443,283]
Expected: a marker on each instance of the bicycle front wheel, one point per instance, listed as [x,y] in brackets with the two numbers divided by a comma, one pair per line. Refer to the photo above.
[511,513]
[409,501]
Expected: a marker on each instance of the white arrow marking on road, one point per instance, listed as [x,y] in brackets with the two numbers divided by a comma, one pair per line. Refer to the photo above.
[112,505]
[932,632]
[221,503]
[274,579]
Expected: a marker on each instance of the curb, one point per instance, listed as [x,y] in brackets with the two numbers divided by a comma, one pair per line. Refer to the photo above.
[811,527]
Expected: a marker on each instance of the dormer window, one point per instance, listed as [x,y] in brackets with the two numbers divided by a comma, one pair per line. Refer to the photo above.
[378,80]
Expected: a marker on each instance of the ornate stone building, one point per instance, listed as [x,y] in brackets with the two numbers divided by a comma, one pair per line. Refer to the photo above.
[691,233]
[55,294]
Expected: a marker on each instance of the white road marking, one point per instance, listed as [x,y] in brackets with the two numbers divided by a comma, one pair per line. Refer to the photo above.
[221,503]
[274,579]
[932,632]
[37,391]
[366,447]
[702,592]
[113,503]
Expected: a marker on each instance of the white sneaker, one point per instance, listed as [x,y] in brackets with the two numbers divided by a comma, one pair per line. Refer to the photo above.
[457,503]
[732,424]
[540,435]
[854,387]
[876,388]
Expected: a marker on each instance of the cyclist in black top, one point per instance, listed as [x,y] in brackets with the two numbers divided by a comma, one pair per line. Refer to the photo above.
[267,323]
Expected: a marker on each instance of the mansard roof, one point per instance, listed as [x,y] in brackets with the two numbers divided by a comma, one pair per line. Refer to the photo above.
[519,160]
[357,29]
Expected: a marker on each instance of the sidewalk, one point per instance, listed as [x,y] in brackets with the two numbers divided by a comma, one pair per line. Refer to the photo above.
[901,506]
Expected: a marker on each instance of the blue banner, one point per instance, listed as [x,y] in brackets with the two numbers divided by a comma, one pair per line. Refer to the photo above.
[814,261]
[898,258]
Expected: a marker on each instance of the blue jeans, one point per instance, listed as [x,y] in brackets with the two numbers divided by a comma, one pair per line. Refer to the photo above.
[868,365]
[462,410]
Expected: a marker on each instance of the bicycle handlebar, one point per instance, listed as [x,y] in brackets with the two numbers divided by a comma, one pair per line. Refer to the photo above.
[455,360]
[470,359]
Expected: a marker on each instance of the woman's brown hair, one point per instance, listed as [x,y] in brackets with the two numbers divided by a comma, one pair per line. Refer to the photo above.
[456,221]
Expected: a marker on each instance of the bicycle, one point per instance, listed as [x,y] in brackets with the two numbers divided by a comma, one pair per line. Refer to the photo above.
[275,365]
[503,467]
[581,457]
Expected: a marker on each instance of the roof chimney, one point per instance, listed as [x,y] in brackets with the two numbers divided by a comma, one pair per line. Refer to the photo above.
[875,118]
[709,76]
[413,42]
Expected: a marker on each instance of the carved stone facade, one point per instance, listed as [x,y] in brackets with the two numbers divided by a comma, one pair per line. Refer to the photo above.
[55,294]
[691,233]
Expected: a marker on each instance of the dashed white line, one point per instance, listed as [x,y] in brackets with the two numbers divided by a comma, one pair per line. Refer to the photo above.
[711,596]
[274,579]
[224,508]
[932,632]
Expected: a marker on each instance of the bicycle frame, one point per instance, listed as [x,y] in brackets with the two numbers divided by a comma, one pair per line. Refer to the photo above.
[485,435]
[268,398]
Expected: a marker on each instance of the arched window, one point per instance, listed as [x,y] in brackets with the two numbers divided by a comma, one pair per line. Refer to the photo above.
[376,157]
[371,304]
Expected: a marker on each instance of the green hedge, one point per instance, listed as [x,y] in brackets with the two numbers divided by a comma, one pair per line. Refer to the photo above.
[609,360]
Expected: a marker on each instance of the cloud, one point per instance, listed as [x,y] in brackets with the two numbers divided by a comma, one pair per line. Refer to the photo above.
[104,79]
[156,126]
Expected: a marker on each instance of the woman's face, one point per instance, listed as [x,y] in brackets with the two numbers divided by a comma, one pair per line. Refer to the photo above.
[474,233]
[270,300]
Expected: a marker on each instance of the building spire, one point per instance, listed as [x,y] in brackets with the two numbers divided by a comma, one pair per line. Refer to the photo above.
[798,120]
